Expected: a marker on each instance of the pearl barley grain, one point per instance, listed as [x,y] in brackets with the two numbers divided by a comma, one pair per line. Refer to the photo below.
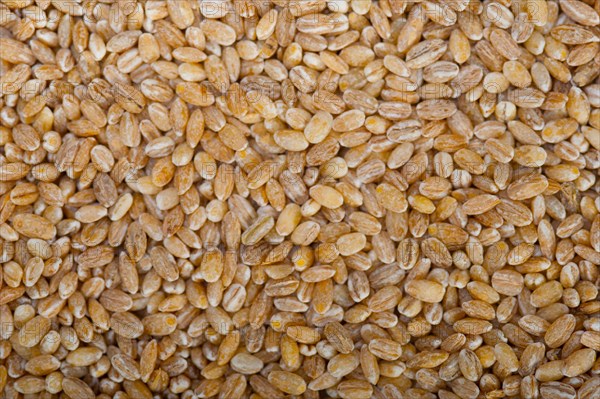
[324,198]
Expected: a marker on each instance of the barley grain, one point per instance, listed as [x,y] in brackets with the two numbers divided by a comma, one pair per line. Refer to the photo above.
[345,198]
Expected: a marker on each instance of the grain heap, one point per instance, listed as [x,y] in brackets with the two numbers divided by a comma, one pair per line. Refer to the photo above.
[270,199]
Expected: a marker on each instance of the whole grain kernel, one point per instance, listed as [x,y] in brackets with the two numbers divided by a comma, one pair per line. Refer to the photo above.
[425,290]
[287,382]
[560,331]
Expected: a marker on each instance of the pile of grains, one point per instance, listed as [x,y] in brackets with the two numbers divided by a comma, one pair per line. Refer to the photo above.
[258,199]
